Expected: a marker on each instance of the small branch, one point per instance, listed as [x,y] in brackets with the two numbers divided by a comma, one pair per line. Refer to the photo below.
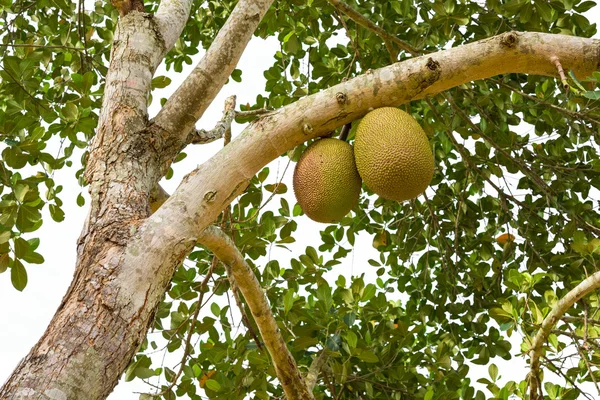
[361,20]
[558,371]
[158,196]
[577,319]
[41,46]
[572,114]
[561,72]
[285,366]
[315,369]
[585,287]
[587,363]
[203,84]
[201,136]
[252,113]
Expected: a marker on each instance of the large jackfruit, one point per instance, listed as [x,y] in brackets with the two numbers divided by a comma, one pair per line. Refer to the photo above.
[326,182]
[393,155]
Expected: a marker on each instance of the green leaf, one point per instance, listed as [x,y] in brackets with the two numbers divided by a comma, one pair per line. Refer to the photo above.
[18,275]
[288,300]
[351,339]
[160,82]
[493,371]
[70,112]
[21,247]
[279,188]
[4,236]
[4,262]
[56,213]
[369,292]
[368,356]
[213,385]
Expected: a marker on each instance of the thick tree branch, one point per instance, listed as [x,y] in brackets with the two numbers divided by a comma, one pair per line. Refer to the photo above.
[206,193]
[365,22]
[199,89]
[585,287]
[287,372]
[171,18]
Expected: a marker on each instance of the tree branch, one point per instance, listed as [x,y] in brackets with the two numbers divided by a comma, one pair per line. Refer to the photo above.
[365,22]
[171,18]
[581,290]
[287,372]
[201,136]
[315,369]
[199,89]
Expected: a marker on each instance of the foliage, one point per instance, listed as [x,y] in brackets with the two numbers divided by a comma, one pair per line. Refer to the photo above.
[514,154]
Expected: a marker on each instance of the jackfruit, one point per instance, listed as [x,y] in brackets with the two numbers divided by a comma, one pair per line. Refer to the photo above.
[326,182]
[393,155]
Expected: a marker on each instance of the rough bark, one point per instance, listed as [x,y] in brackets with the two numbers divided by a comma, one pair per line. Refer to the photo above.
[189,102]
[93,334]
[126,259]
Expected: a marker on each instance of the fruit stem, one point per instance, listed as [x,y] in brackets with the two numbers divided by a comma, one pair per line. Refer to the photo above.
[345,131]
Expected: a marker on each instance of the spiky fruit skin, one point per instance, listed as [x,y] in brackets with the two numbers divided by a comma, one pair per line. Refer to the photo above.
[326,181]
[393,155]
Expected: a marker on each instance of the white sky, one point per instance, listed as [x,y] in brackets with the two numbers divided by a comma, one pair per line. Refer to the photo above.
[24,316]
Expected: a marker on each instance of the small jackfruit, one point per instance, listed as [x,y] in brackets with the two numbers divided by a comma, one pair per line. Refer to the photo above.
[393,155]
[326,182]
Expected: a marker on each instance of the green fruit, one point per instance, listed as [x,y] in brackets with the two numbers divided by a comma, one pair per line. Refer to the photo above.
[392,154]
[326,182]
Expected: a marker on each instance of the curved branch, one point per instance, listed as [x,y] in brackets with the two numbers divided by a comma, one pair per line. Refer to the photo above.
[585,287]
[287,372]
[199,89]
[207,190]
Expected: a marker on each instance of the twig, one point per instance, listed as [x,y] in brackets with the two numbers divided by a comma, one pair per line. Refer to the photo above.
[572,114]
[540,183]
[561,72]
[252,113]
[41,46]
[558,371]
[361,20]
[577,319]
[201,136]
[285,366]
[585,287]
[587,363]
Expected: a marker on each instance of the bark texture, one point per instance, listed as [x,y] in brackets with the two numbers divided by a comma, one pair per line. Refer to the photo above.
[126,259]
